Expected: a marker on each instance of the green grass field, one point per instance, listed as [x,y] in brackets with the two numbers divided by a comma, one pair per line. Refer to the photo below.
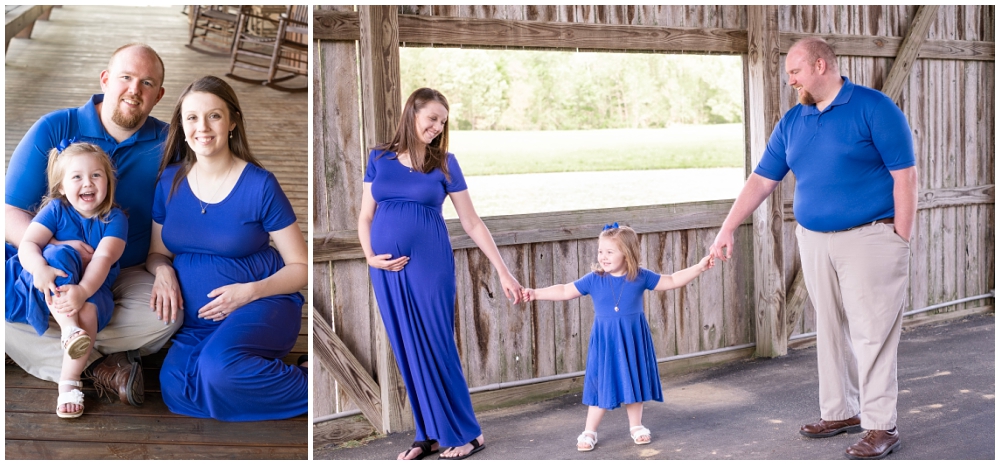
[483,153]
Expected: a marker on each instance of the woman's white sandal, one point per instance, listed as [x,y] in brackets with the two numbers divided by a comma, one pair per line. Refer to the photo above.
[587,437]
[638,433]
[75,347]
[74,397]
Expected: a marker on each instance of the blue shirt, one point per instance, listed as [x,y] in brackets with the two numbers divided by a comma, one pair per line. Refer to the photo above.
[841,158]
[67,224]
[136,161]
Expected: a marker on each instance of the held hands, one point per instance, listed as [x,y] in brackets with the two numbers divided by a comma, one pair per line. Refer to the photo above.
[724,240]
[165,299]
[706,263]
[386,262]
[511,288]
[226,299]
[527,294]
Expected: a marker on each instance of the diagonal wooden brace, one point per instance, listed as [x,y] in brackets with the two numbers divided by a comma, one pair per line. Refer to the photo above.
[347,371]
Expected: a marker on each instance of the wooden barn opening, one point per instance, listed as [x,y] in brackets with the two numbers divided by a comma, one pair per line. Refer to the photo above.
[557,130]
[932,60]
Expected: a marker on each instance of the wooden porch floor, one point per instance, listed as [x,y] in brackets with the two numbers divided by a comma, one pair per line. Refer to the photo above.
[59,67]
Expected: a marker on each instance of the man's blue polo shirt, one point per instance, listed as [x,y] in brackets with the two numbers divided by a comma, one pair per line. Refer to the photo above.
[841,158]
[136,161]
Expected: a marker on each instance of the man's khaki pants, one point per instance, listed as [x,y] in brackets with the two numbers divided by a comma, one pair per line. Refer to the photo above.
[133,326]
[857,281]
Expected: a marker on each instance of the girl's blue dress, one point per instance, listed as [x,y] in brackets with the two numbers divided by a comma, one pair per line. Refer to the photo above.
[418,303]
[230,370]
[26,304]
[621,360]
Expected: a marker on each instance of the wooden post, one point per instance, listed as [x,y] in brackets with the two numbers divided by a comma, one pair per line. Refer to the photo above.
[380,109]
[763,113]
[893,86]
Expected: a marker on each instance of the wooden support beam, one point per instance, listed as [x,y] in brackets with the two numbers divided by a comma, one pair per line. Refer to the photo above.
[380,109]
[349,373]
[449,31]
[763,112]
[938,198]
[888,47]
[549,227]
[497,33]
[915,37]
[380,93]
[336,25]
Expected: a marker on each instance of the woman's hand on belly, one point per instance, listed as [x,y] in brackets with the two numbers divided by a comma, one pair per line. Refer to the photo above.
[386,262]
[226,300]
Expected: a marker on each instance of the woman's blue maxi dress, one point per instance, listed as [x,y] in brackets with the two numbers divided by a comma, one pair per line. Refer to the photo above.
[230,370]
[418,303]
[23,302]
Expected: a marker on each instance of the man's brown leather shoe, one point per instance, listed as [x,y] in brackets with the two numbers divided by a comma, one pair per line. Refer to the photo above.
[875,444]
[826,429]
[119,373]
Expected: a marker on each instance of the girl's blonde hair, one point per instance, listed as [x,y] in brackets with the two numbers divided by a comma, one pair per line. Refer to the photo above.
[628,243]
[57,168]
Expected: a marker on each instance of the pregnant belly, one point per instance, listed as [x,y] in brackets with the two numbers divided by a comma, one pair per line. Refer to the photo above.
[200,274]
[408,228]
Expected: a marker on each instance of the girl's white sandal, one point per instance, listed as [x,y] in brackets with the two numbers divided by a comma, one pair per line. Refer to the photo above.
[639,431]
[75,347]
[587,437]
[74,397]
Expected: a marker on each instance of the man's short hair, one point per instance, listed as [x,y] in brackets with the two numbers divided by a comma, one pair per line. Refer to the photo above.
[148,49]
[817,48]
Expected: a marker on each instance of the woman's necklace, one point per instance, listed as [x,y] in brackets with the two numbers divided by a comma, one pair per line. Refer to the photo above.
[619,294]
[197,181]
[409,159]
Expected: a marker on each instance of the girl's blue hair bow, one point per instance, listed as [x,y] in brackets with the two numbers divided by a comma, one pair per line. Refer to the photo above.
[610,226]
[64,144]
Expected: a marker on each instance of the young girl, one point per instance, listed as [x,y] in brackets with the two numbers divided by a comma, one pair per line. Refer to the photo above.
[621,363]
[45,279]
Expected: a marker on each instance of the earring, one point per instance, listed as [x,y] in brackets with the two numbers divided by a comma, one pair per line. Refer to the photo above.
[230,134]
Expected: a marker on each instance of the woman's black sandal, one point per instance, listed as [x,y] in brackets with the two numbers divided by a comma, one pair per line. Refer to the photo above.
[476,447]
[425,448]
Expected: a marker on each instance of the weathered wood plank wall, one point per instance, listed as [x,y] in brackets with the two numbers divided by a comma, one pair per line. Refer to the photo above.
[946,99]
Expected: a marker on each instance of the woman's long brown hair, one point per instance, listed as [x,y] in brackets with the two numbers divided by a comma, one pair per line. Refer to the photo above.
[176,150]
[433,155]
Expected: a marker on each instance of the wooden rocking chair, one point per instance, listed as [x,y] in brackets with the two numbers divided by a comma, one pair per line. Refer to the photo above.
[273,46]
[215,26]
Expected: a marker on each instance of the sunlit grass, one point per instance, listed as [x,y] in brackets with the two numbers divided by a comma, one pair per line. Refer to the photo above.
[680,146]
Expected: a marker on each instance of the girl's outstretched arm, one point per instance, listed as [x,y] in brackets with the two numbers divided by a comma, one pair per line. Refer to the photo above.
[682,277]
[557,292]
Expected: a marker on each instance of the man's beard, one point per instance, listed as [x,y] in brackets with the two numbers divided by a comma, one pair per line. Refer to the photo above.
[127,121]
[805,97]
